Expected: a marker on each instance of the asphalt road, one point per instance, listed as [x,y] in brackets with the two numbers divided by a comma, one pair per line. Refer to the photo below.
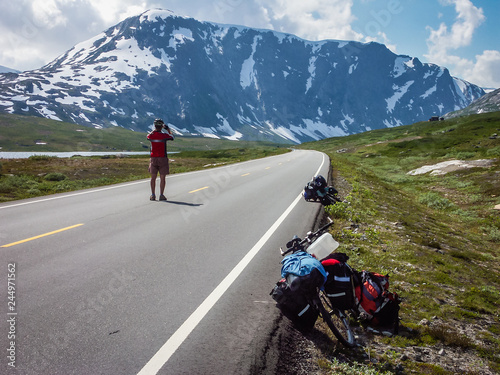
[104,281]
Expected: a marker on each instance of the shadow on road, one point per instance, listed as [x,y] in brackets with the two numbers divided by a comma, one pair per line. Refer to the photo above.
[183,203]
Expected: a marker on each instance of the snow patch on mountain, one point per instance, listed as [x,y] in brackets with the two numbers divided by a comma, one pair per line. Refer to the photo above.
[179,37]
[247,75]
[399,92]
[312,72]
[400,65]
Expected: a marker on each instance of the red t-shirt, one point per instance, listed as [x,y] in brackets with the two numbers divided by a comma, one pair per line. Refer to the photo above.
[159,143]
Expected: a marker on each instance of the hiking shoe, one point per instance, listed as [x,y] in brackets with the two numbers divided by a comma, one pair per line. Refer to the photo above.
[163,198]
[152,197]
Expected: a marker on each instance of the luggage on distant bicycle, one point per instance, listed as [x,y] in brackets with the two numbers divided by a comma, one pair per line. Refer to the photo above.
[317,190]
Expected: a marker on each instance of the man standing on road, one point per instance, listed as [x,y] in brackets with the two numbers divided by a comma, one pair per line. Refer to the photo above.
[159,159]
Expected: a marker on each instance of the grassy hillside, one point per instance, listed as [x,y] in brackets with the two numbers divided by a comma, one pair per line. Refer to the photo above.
[28,133]
[438,236]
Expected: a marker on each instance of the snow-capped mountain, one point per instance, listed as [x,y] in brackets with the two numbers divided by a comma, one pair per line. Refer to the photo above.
[232,82]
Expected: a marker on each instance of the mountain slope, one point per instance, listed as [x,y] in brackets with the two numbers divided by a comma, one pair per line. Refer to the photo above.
[487,103]
[4,69]
[232,82]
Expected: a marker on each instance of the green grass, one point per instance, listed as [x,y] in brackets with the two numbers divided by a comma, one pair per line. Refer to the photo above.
[43,175]
[28,133]
[437,236]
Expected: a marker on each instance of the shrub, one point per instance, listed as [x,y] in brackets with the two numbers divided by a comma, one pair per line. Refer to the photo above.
[495,151]
[462,155]
[34,192]
[55,177]
[41,157]
[355,368]
[12,183]
[436,201]
[339,210]
[493,233]
[482,299]
[448,335]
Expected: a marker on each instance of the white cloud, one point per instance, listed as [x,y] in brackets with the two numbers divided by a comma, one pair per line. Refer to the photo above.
[313,19]
[114,11]
[35,32]
[486,71]
[468,19]
[444,41]
[381,37]
[46,13]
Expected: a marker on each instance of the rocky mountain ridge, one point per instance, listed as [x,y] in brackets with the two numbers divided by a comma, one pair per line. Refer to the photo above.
[232,82]
[487,103]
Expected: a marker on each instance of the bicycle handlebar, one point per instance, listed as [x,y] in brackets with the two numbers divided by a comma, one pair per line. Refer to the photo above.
[307,239]
[310,235]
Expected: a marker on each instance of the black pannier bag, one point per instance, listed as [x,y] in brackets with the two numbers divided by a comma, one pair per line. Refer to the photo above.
[294,306]
[310,192]
[339,286]
[290,296]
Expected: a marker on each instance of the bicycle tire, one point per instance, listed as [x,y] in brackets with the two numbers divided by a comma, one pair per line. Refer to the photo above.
[337,321]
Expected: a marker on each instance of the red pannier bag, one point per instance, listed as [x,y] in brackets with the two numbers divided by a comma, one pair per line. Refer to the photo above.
[374,301]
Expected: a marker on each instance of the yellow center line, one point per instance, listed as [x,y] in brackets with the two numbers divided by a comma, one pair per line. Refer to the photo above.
[41,235]
[203,188]
[246,174]
[268,167]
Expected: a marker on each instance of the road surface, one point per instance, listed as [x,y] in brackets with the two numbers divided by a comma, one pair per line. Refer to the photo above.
[104,281]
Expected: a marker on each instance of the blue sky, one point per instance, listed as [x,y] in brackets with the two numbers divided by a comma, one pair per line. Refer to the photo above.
[461,35]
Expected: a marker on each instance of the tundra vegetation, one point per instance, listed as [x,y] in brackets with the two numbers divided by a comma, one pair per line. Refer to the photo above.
[438,236]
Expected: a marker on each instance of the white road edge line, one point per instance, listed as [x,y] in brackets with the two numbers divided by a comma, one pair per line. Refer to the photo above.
[168,349]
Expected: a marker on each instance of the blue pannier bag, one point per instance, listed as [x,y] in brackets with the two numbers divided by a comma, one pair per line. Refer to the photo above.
[303,265]
[302,274]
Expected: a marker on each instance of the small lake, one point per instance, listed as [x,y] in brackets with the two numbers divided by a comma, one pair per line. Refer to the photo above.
[27,154]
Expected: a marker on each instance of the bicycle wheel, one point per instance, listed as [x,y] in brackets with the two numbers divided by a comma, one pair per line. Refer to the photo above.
[337,321]
[334,198]
[329,199]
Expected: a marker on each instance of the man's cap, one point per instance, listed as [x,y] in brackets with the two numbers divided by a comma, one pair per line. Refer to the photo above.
[158,122]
